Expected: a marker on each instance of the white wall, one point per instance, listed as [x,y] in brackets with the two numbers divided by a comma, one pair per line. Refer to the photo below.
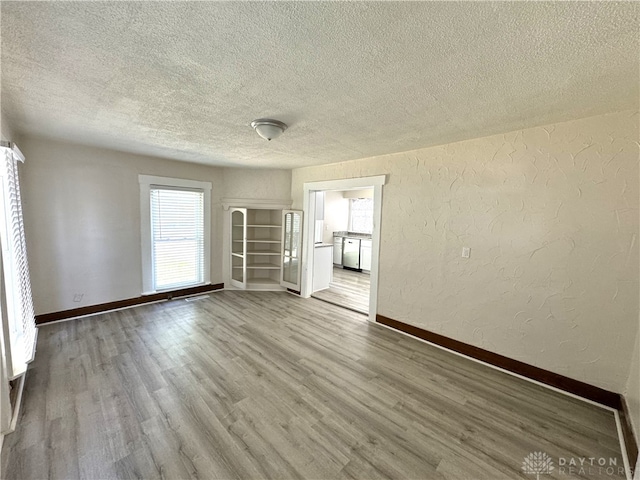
[551,216]
[82,218]
[336,215]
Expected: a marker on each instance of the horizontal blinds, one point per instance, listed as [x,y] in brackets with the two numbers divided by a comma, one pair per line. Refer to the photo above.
[21,323]
[177,237]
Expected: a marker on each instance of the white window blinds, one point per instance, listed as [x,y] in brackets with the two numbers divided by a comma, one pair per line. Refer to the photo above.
[177,237]
[18,316]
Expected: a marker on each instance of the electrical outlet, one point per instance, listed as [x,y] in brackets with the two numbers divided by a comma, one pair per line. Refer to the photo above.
[466,252]
[77,297]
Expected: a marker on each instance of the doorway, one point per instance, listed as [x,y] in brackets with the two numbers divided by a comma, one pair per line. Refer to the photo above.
[341,242]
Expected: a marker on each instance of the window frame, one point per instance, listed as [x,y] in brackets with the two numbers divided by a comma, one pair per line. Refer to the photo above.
[146,182]
[17,318]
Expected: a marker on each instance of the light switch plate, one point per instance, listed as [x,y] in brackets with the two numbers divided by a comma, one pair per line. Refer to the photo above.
[466,252]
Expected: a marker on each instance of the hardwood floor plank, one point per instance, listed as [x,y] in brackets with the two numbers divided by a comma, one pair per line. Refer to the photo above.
[254,385]
[138,464]
[166,450]
[349,288]
[94,459]
[199,434]
[62,448]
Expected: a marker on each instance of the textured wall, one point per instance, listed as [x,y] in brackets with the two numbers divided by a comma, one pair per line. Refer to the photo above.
[551,216]
[632,391]
[262,184]
[6,132]
[82,218]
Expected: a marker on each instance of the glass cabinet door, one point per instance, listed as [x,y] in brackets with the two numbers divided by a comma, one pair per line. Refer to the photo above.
[291,249]
[238,247]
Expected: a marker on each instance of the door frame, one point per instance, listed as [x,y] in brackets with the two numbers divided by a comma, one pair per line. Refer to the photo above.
[308,233]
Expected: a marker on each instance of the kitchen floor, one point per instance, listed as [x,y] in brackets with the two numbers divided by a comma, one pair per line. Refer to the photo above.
[348,289]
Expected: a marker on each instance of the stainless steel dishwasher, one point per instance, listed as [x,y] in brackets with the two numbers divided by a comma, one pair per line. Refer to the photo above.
[351,253]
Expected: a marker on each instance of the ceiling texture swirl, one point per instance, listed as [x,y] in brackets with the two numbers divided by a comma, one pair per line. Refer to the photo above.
[184,80]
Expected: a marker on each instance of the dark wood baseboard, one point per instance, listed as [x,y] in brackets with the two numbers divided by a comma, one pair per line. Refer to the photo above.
[584,390]
[591,392]
[128,302]
[630,440]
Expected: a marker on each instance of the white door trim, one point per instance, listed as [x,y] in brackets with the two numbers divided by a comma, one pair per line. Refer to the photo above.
[308,234]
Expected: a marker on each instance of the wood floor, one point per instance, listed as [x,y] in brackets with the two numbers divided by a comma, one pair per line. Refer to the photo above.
[268,385]
[348,289]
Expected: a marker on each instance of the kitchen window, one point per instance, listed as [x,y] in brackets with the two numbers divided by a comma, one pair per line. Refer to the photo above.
[175,233]
[361,215]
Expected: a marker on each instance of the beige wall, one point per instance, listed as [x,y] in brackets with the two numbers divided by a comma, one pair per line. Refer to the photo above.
[366,193]
[6,132]
[632,391]
[257,184]
[82,218]
[551,216]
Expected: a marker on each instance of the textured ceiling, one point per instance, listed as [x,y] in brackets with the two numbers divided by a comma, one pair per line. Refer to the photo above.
[183,80]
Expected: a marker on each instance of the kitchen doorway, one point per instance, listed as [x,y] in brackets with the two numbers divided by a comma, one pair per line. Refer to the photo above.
[342,237]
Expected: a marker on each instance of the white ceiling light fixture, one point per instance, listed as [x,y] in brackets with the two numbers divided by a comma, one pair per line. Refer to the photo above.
[268,128]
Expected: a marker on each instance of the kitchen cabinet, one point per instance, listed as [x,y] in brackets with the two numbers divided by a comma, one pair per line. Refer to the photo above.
[365,255]
[322,266]
[337,251]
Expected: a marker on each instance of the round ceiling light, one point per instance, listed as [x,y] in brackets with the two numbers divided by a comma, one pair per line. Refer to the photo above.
[268,128]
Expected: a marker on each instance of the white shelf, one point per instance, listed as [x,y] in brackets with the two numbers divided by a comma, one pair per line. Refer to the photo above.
[262,281]
[263,266]
[258,232]
[259,226]
[260,266]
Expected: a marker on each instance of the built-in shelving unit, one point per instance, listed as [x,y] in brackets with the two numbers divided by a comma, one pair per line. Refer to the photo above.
[256,248]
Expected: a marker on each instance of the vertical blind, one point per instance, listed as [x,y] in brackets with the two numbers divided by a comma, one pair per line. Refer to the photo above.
[177,237]
[20,328]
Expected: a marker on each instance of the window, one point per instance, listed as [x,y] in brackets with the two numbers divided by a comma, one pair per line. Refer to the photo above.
[175,233]
[361,215]
[17,308]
